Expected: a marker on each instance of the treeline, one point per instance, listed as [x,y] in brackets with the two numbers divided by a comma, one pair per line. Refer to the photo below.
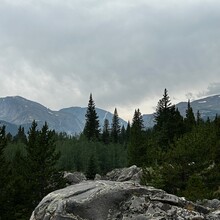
[179,154]
[32,165]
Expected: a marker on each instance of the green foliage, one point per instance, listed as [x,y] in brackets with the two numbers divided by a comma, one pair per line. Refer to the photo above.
[12,148]
[4,171]
[18,188]
[184,171]
[136,149]
[92,168]
[20,136]
[169,122]
[106,132]
[91,130]
[190,120]
[152,177]
[115,129]
[41,160]
[196,189]
[75,155]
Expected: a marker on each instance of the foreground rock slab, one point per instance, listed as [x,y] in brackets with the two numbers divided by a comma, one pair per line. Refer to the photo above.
[105,200]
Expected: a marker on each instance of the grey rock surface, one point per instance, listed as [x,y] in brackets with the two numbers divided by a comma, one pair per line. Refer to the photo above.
[74,178]
[111,200]
[133,173]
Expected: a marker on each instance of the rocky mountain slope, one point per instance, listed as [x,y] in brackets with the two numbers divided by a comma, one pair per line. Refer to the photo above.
[16,111]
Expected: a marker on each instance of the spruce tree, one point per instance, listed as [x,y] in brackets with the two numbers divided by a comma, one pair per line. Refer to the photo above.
[122,138]
[199,119]
[18,188]
[128,132]
[190,120]
[165,121]
[115,129]
[178,124]
[136,149]
[4,205]
[105,132]
[20,136]
[41,160]
[91,129]
[92,168]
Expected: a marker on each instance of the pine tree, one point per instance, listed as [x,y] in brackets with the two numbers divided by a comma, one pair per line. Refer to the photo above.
[41,160]
[20,136]
[163,109]
[165,121]
[92,168]
[190,120]
[105,132]
[91,129]
[4,206]
[18,191]
[178,124]
[136,149]
[115,129]
[199,119]
[128,132]
[122,138]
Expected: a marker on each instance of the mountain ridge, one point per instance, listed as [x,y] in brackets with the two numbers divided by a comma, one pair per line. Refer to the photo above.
[208,107]
[18,111]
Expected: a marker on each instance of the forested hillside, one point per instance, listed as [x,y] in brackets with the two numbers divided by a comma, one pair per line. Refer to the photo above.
[180,155]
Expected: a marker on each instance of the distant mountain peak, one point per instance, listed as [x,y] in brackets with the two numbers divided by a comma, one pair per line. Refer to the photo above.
[207,106]
[20,111]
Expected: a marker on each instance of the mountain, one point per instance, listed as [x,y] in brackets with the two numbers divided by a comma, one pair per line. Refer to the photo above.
[18,111]
[208,107]
[10,128]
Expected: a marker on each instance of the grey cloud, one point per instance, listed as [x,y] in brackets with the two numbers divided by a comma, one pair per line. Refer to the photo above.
[213,89]
[123,51]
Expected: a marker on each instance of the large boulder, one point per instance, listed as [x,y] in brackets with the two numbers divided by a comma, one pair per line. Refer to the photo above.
[110,200]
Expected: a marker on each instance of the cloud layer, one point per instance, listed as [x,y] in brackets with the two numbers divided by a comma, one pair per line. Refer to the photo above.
[125,52]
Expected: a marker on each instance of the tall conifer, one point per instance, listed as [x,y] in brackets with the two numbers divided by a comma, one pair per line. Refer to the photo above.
[105,132]
[3,175]
[190,120]
[115,129]
[41,160]
[165,121]
[91,129]
[136,149]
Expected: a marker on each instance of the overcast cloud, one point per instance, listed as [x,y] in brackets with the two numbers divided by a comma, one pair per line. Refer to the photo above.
[124,52]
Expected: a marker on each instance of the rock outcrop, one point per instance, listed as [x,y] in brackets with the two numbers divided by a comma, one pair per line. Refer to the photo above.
[74,178]
[133,173]
[111,200]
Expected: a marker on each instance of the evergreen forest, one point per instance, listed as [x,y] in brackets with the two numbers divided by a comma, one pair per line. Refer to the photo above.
[179,154]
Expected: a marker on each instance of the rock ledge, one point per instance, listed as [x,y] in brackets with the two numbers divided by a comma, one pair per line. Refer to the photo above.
[109,200]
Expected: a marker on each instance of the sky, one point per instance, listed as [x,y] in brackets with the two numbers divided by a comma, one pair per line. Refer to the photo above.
[124,52]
